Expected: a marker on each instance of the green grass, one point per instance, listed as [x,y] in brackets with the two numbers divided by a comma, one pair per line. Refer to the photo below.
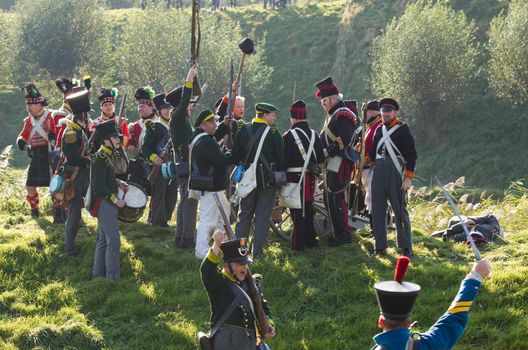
[322,299]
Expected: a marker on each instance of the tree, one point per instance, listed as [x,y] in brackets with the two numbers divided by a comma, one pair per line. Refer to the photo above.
[7,49]
[426,59]
[156,47]
[60,37]
[509,53]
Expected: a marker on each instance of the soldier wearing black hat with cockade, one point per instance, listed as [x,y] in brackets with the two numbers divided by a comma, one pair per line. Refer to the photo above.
[232,316]
[38,136]
[104,201]
[396,299]
[259,203]
[156,150]
[393,157]
[75,168]
[337,134]
[297,142]
[181,131]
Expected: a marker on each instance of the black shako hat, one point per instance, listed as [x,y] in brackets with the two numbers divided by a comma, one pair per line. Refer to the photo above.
[389,102]
[298,110]
[32,95]
[396,298]
[106,95]
[326,87]
[160,103]
[352,105]
[247,46]
[107,129]
[236,251]
[373,105]
[79,101]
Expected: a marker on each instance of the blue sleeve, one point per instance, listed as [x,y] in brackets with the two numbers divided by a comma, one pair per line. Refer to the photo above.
[449,328]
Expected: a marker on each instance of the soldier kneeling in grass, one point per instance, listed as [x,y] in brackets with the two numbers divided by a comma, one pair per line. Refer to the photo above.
[232,310]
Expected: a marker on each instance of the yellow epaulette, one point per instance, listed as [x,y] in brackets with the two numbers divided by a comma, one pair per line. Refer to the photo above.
[240,124]
[150,124]
[273,128]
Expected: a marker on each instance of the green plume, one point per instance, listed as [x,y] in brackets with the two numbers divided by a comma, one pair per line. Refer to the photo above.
[34,92]
[114,92]
[150,92]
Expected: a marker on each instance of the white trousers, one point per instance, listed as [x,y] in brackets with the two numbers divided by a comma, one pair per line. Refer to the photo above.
[210,219]
[366,180]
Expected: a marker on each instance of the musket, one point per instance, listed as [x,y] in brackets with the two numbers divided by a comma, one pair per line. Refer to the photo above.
[154,173]
[357,180]
[294,91]
[228,139]
[122,108]
[196,37]
[256,297]
[457,213]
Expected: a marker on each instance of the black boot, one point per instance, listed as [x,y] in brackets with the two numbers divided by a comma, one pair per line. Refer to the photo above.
[58,216]
[35,212]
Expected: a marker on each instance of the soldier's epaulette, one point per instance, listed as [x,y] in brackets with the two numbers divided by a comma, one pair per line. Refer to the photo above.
[346,113]
[240,124]
[101,156]
[150,124]
[273,128]
[70,135]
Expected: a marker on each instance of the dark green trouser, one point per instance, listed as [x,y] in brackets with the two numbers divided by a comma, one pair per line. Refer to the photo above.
[386,185]
[231,338]
[185,214]
[163,201]
[73,220]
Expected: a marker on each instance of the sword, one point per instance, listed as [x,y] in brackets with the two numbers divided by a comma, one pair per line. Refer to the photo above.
[457,213]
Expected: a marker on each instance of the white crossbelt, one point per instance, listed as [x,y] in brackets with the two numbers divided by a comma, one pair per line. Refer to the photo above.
[37,126]
[390,147]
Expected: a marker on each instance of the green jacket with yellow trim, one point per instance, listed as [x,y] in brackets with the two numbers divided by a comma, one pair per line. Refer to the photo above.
[74,144]
[181,129]
[220,293]
[156,137]
[206,154]
[272,150]
[104,183]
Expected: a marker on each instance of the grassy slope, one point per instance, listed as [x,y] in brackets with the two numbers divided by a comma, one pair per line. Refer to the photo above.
[322,299]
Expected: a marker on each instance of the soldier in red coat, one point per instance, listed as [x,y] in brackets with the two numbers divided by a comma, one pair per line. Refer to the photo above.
[38,136]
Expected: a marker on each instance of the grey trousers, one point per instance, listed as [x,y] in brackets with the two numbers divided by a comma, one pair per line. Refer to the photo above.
[259,204]
[185,214]
[386,185]
[231,337]
[163,201]
[74,206]
[106,261]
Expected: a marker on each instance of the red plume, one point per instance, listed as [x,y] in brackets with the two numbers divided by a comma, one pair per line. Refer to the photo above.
[401,268]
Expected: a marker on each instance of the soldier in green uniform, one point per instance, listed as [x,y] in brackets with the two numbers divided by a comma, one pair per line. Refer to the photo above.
[76,166]
[259,203]
[181,132]
[155,148]
[232,317]
[208,159]
[105,203]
